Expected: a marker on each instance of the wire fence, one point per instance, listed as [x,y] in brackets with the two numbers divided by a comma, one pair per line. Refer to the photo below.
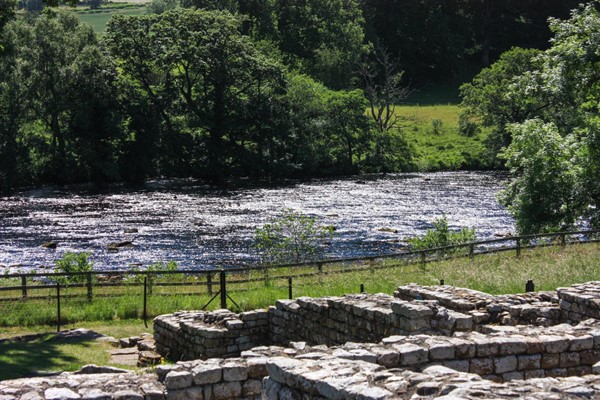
[56,298]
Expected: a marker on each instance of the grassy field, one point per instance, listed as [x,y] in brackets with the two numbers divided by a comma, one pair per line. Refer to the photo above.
[500,273]
[549,268]
[436,143]
[99,18]
[46,354]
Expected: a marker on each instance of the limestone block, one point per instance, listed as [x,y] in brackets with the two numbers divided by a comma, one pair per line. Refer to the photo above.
[554,344]
[457,365]
[411,354]
[569,360]
[511,345]
[589,357]
[550,361]
[195,393]
[411,310]
[227,390]
[511,376]
[505,364]
[204,374]
[178,380]
[585,342]
[127,395]
[60,394]
[252,387]
[481,366]
[529,362]
[534,373]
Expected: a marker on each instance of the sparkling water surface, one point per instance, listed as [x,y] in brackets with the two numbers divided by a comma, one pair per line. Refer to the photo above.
[202,227]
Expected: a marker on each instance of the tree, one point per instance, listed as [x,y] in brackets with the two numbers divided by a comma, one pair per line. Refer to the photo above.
[489,99]
[324,39]
[383,87]
[544,193]
[554,155]
[291,237]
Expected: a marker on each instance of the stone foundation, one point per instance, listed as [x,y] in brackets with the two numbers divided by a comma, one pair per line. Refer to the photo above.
[421,342]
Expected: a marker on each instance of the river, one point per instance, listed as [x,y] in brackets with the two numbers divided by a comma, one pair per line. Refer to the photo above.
[201,227]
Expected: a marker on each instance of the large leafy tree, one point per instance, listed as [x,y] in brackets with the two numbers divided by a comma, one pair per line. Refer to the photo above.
[200,74]
[489,99]
[555,155]
[56,77]
[322,38]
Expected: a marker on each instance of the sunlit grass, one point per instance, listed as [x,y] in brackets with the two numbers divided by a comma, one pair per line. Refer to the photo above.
[549,268]
[439,145]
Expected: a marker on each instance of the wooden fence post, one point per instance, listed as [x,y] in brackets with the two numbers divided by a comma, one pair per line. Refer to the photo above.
[57,307]
[223,285]
[24,286]
[518,247]
[471,251]
[209,284]
[89,286]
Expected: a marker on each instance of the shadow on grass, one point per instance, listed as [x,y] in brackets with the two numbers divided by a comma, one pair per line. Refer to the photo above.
[42,355]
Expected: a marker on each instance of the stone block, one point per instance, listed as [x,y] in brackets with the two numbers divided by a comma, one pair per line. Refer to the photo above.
[585,342]
[178,380]
[511,345]
[569,360]
[457,365]
[251,387]
[204,374]
[195,393]
[411,354]
[227,390]
[554,344]
[550,361]
[589,357]
[529,362]
[512,376]
[481,366]
[534,373]
[505,364]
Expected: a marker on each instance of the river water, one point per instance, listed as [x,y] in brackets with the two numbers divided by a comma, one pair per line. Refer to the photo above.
[201,227]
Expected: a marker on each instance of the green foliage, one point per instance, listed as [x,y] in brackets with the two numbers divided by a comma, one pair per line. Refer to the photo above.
[554,155]
[155,271]
[161,6]
[437,126]
[291,237]
[441,236]
[489,97]
[73,262]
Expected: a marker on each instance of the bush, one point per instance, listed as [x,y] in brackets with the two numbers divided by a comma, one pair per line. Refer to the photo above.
[71,263]
[441,236]
[437,126]
[291,238]
[466,126]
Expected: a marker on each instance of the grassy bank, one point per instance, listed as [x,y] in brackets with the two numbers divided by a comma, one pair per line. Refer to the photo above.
[549,268]
[499,273]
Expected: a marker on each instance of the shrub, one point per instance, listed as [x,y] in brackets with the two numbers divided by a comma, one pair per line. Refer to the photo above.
[437,126]
[441,236]
[291,238]
[466,126]
[71,263]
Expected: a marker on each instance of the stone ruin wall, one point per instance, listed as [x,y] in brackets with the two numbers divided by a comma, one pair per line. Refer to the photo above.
[436,310]
[423,342]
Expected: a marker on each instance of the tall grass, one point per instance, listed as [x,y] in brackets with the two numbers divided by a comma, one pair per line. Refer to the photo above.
[549,268]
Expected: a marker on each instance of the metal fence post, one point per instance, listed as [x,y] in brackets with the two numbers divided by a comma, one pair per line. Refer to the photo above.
[24,287]
[222,278]
[89,286]
[209,284]
[423,258]
[518,247]
[290,288]
[563,240]
[362,287]
[57,307]
[471,251]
